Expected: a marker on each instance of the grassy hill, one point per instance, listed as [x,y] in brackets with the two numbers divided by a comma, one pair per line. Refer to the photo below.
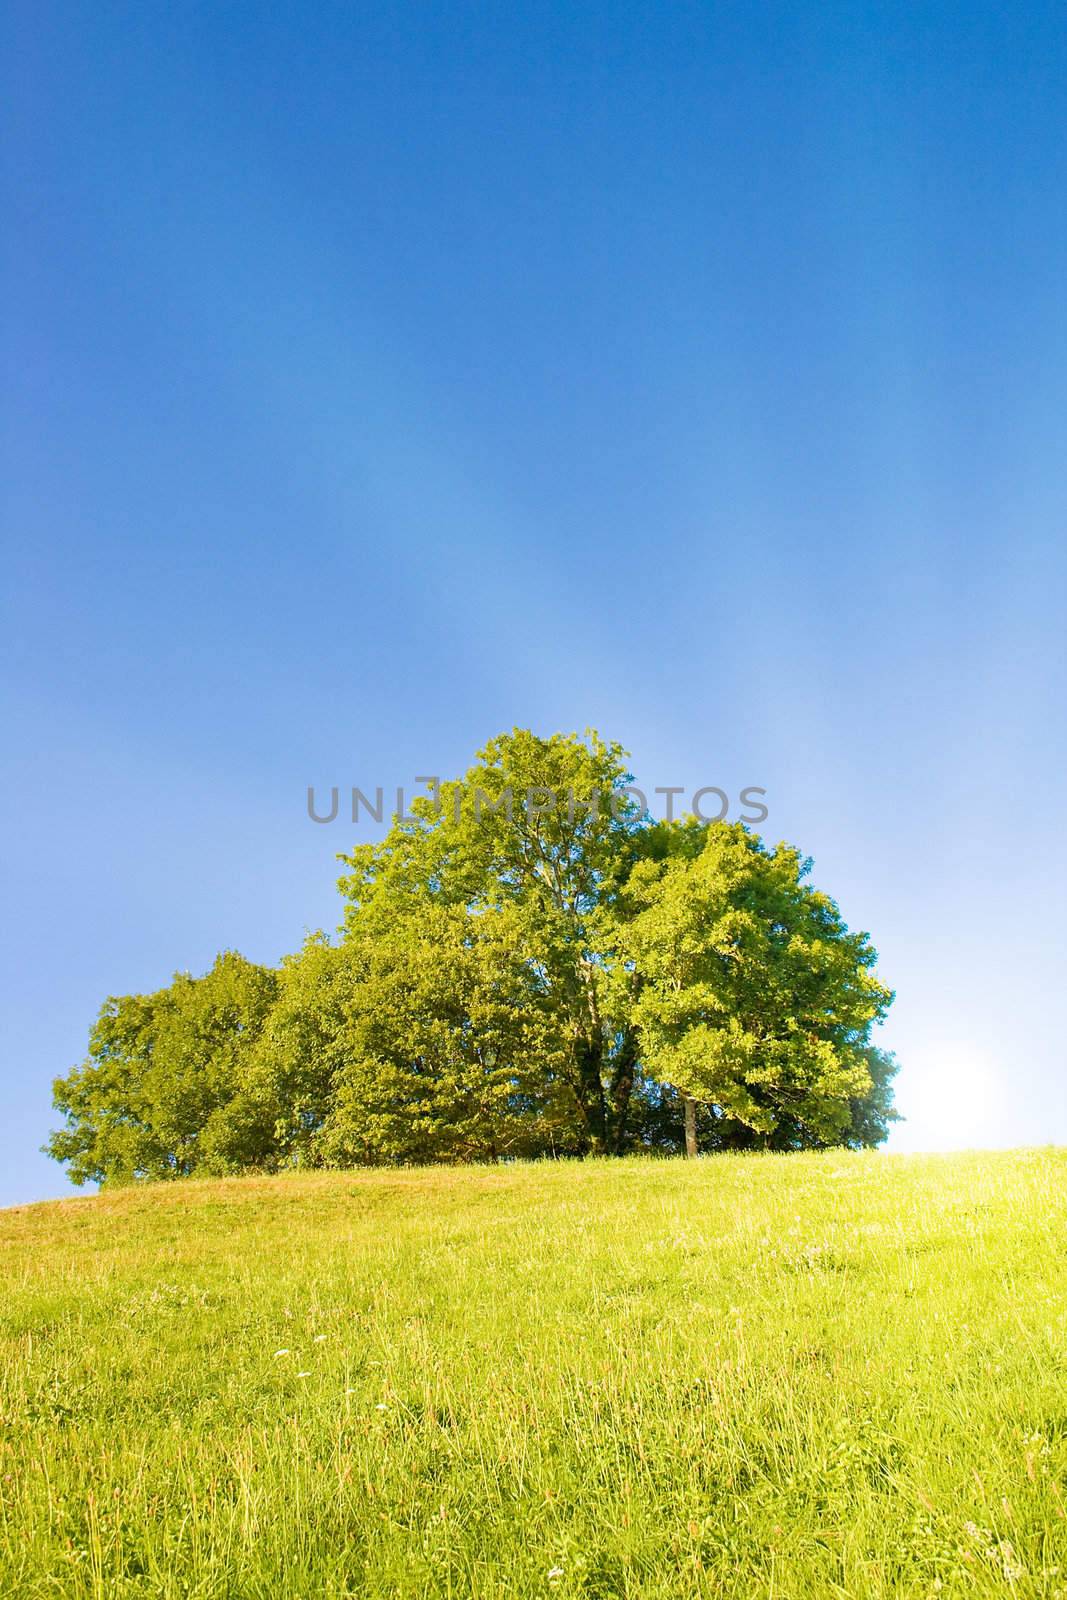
[825,1375]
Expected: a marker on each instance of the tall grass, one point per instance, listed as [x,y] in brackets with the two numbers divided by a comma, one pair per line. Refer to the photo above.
[825,1375]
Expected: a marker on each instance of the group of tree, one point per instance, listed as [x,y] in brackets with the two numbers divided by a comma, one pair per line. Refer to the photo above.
[529,965]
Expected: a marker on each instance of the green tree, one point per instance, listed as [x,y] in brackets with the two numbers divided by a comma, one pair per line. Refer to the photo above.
[160,1094]
[544,830]
[293,1070]
[754,997]
[446,1052]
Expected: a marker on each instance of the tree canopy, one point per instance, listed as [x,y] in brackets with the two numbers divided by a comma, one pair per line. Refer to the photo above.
[527,965]
[754,997]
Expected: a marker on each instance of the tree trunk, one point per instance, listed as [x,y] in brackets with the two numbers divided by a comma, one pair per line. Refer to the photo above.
[622,1085]
[590,1090]
[690,1127]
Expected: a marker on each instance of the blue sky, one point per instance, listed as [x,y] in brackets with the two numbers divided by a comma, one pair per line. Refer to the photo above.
[381,377]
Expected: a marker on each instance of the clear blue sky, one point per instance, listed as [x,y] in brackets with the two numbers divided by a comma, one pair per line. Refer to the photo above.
[380,377]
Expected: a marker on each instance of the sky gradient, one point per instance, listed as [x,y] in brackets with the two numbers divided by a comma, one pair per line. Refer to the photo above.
[381,377]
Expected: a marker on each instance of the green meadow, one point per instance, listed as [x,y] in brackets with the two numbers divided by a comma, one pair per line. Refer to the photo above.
[751,1375]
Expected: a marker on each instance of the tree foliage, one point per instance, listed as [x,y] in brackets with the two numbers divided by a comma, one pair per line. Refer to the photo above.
[161,1093]
[755,997]
[449,1052]
[528,965]
[539,836]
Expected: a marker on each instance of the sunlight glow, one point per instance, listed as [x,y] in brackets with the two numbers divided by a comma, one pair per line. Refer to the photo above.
[953,1097]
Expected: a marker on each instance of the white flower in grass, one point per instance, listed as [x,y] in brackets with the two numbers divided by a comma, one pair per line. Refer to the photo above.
[303,1374]
[319,1337]
[278,1353]
[554,1574]
[381,1407]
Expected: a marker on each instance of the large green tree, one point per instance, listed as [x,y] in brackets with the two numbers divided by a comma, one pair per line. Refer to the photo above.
[161,1092]
[447,1052]
[292,1072]
[544,830]
[754,997]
